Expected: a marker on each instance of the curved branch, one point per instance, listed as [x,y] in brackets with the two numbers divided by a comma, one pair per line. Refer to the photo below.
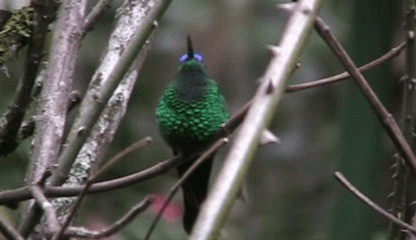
[341,179]
[114,228]
[345,75]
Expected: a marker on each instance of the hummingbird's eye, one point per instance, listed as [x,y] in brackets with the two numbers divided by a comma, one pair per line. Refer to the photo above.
[183,58]
[197,56]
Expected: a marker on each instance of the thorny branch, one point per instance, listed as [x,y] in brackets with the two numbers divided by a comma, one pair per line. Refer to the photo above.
[238,160]
[400,176]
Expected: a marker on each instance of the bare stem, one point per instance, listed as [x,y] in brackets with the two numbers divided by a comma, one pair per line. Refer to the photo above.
[345,75]
[9,232]
[389,123]
[371,204]
[115,227]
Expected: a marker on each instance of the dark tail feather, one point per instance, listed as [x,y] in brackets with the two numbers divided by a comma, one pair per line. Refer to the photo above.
[194,191]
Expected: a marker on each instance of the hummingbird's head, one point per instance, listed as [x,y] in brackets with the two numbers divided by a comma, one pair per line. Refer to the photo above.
[191,55]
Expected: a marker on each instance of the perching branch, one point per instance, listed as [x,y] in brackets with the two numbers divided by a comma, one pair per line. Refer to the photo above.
[239,158]
[389,124]
[22,194]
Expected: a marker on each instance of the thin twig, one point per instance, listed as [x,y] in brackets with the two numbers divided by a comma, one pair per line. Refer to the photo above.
[50,213]
[389,123]
[122,154]
[205,155]
[345,75]
[132,148]
[22,194]
[115,227]
[341,179]
[9,232]
[96,12]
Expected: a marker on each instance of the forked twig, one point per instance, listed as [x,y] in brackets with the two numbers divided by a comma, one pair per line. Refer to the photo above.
[134,147]
[388,122]
[50,213]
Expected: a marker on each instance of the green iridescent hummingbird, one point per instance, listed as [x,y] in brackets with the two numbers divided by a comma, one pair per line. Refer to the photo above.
[190,112]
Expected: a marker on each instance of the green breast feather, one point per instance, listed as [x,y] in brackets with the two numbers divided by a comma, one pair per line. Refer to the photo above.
[185,123]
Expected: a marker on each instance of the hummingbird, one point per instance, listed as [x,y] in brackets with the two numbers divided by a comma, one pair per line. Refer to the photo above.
[189,114]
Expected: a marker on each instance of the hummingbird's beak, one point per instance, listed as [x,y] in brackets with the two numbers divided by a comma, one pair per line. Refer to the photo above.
[190,48]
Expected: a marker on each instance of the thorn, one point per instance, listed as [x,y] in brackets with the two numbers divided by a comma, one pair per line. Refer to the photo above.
[4,70]
[155,24]
[267,137]
[390,195]
[306,11]
[298,65]
[270,87]
[287,7]
[80,131]
[410,35]
[274,50]
[190,48]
